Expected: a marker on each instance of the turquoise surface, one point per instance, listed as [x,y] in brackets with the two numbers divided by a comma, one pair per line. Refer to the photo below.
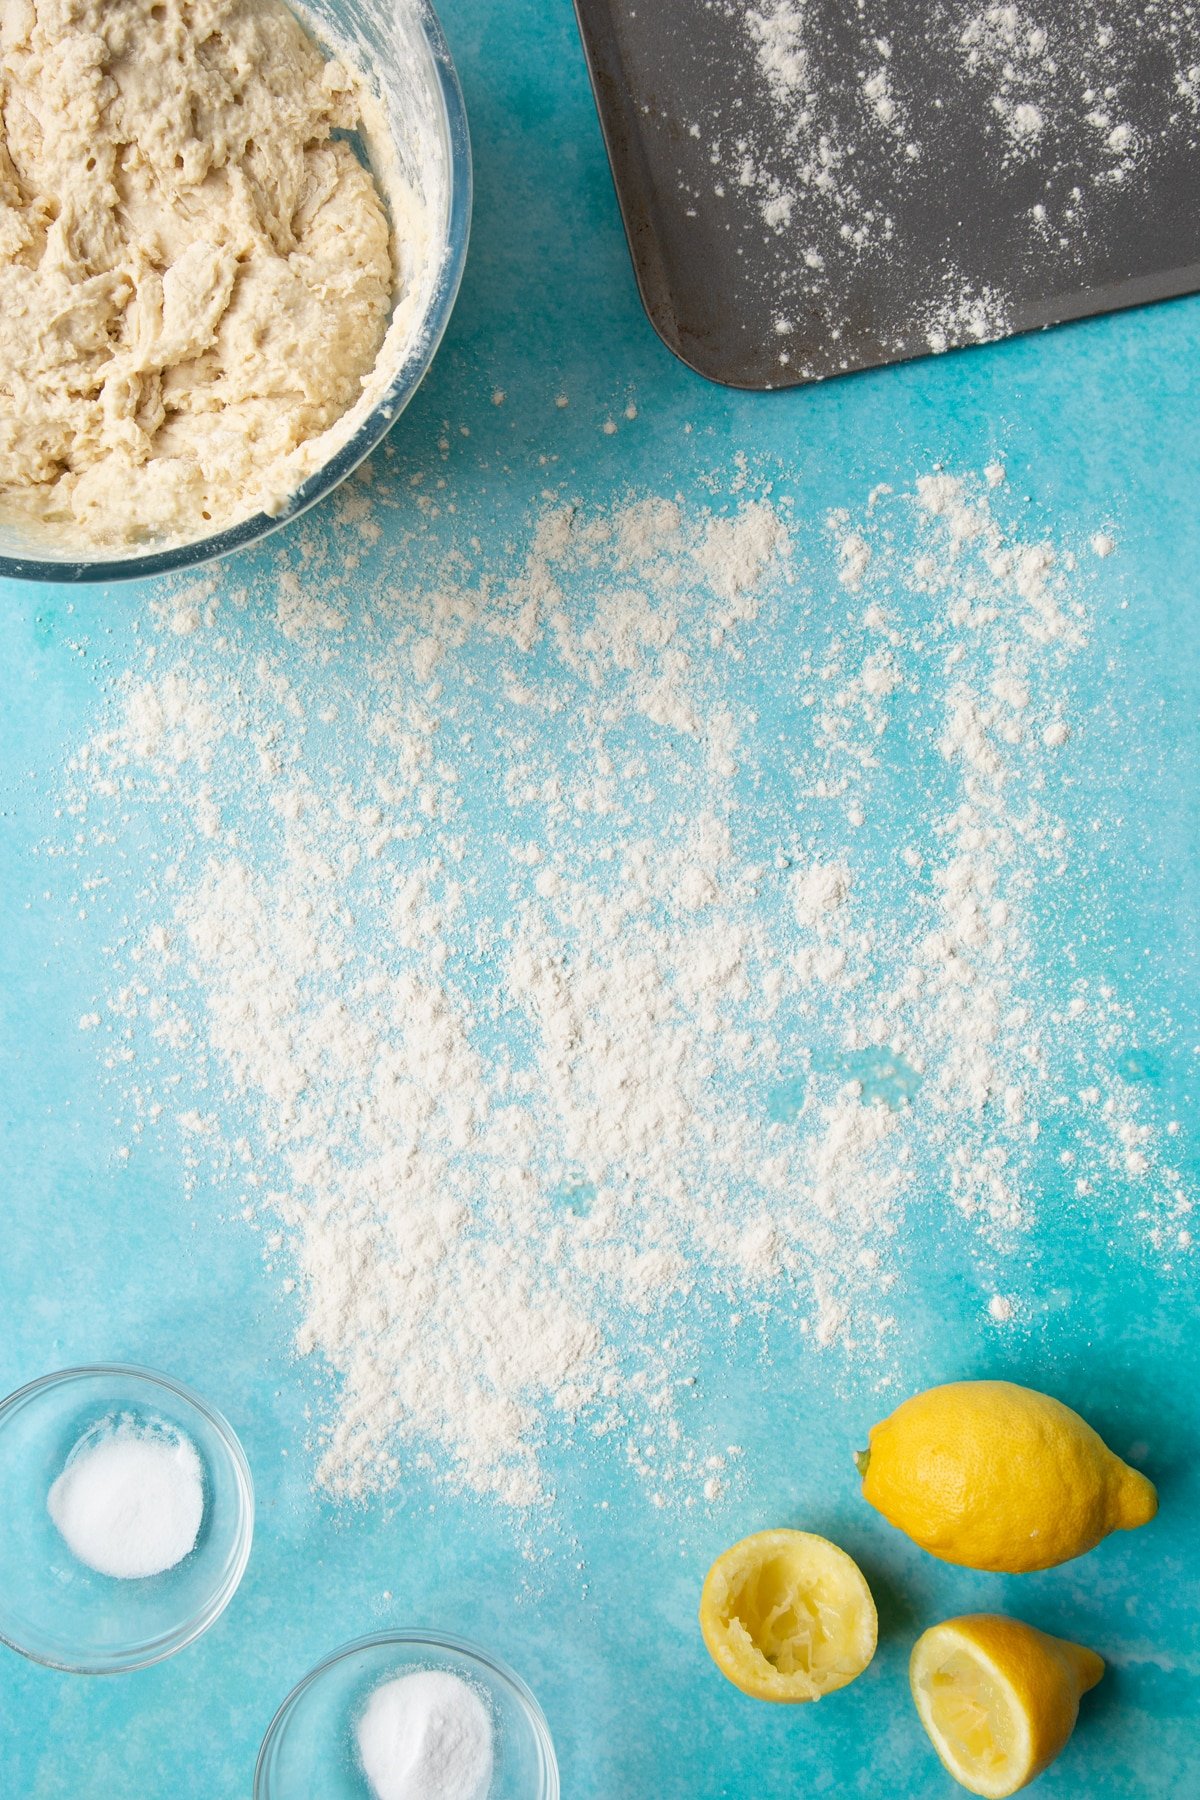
[100,1259]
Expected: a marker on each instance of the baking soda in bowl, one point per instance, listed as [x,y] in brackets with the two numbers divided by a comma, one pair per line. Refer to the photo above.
[426,1736]
[130,1499]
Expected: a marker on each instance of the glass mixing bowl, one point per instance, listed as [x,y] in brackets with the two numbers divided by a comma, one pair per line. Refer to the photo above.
[310,1753]
[400,44]
[54,1608]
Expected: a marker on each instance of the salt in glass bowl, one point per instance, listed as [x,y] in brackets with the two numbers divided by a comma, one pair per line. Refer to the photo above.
[310,1751]
[54,1608]
[400,45]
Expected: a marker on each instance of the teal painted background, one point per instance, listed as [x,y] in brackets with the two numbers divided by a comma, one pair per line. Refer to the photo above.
[1097,424]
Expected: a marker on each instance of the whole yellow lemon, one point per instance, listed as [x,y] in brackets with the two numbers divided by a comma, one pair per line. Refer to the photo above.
[995,1476]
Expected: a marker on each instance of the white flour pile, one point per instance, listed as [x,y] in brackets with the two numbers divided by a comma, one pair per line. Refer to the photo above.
[543,1007]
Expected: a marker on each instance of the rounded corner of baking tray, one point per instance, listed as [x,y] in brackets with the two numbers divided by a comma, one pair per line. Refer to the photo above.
[693,357]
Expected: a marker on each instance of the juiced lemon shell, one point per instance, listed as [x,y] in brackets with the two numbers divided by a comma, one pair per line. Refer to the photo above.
[998,1698]
[1000,1477]
[787,1616]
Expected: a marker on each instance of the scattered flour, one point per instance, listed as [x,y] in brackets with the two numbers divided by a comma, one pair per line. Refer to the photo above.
[529,1030]
[965,317]
[1013,53]
[1062,72]
[778,36]
[816,167]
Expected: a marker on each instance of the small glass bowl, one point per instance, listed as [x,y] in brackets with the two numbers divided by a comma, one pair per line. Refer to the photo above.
[54,1608]
[402,45]
[310,1753]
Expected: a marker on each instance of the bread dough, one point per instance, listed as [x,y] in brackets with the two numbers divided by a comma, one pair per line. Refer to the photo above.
[195,274]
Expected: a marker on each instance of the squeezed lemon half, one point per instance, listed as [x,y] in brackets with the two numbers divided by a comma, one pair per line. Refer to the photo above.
[788,1616]
[998,1698]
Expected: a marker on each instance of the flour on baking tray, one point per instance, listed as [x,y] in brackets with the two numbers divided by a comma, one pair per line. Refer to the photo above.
[534,1035]
[838,108]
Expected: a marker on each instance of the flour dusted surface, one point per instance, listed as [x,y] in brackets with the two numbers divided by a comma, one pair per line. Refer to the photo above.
[532,1037]
[832,186]
[196,274]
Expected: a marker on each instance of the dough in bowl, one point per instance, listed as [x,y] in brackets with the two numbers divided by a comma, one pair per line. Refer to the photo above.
[195,269]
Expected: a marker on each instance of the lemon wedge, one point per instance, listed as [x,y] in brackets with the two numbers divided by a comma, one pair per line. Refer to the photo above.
[788,1616]
[998,1698]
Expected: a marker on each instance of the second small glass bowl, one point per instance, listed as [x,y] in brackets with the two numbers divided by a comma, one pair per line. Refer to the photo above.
[53,1607]
[310,1753]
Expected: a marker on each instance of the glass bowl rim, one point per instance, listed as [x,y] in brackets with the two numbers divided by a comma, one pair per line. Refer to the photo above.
[420,1638]
[154,1650]
[177,558]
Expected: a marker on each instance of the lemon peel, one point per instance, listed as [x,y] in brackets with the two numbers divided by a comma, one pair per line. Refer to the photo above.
[788,1616]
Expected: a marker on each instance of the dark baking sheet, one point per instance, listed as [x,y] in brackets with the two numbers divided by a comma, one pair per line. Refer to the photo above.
[791,218]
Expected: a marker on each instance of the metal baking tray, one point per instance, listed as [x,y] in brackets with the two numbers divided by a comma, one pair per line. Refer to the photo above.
[810,187]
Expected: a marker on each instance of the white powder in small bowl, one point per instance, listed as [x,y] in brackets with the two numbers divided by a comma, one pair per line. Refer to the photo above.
[130,1498]
[426,1736]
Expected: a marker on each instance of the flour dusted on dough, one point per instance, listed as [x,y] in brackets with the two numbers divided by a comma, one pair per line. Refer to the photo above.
[195,275]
